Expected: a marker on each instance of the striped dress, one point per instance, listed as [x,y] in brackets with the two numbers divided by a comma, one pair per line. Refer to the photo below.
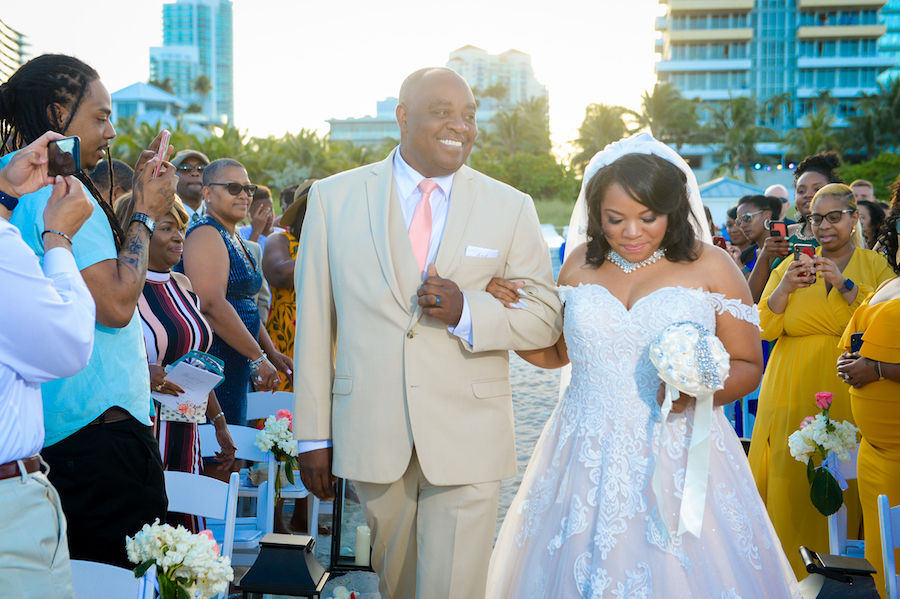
[173,326]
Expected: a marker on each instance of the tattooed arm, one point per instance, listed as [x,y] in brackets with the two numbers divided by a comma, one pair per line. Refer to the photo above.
[117,284]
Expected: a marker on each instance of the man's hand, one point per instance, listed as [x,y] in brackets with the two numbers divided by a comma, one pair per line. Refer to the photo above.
[440,298]
[155,196]
[146,156]
[315,472]
[27,170]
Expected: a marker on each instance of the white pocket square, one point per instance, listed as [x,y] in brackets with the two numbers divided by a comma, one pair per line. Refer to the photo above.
[473,251]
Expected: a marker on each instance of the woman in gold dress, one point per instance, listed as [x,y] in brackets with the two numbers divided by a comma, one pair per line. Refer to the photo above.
[806,306]
[873,375]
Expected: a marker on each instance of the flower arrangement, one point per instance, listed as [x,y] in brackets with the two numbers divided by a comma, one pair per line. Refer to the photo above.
[188,565]
[692,360]
[832,441]
[277,437]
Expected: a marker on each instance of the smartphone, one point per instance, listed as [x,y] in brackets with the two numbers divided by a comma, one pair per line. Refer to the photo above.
[778,228]
[163,149]
[64,156]
[721,242]
[856,342]
[804,248]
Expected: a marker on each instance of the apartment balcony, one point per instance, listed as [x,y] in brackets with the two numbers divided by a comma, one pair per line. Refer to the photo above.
[841,31]
[659,45]
[846,61]
[709,95]
[710,5]
[805,93]
[681,66]
[662,23]
[743,34]
[807,4]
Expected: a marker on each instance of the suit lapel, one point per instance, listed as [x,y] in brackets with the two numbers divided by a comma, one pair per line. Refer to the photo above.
[461,200]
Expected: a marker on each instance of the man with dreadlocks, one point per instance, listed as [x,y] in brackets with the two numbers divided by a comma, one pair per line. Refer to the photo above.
[103,458]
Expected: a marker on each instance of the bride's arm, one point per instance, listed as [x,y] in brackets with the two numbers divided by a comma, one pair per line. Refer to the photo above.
[740,337]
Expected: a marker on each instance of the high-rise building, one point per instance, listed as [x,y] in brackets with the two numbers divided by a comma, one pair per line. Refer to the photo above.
[791,50]
[12,51]
[198,46]
[368,130]
[486,73]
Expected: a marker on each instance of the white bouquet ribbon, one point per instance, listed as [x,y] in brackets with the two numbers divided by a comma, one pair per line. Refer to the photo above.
[689,360]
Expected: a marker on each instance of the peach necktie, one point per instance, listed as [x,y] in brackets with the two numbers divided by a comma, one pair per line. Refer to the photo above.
[420,227]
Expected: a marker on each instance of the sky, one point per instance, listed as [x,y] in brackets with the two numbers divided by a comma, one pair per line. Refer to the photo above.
[298,63]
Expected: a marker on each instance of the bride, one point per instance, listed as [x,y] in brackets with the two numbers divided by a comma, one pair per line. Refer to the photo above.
[586,522]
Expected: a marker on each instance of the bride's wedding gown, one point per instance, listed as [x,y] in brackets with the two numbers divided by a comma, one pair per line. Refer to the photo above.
[586,523]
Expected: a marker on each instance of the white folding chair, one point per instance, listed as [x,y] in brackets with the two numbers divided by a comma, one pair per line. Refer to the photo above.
[838,543]
[208,498]
[93,580]
[889,519]
[247,530]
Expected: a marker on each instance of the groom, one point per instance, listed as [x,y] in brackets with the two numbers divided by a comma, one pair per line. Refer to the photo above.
[409,378]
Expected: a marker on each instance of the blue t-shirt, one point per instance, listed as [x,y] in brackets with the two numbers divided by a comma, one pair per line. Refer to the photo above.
[117,374]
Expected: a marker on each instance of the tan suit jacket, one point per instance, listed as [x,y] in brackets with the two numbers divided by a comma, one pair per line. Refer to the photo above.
[375,375]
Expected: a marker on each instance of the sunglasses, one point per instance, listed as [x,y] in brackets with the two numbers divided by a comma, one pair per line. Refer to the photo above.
[746,218]
[236,188]
[833,217]
[187,168]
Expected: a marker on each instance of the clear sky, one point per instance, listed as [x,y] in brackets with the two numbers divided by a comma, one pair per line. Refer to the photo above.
[300,62]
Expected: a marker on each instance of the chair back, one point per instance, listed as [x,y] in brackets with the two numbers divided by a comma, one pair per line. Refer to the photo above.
[262,404]
[838,543]
[93,580]
[207,497]
[244,439]
[889,520]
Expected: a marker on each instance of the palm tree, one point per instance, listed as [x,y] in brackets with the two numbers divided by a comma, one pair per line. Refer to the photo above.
[165,85]
[602,125]
[202,85]
[816,134]
[733,129]
[668,116]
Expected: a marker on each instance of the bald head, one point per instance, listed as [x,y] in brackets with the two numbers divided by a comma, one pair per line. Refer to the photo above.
[780,192]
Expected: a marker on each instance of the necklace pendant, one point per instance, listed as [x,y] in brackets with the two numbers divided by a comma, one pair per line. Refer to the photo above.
[629,267]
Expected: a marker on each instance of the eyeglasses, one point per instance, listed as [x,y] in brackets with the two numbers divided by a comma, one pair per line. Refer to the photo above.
[186,168]
[236,188]
[833,217]
[746,218]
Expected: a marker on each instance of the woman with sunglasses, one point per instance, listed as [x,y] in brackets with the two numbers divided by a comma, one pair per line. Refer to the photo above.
[753,214]
[806,306]
[733,228]
[226,277]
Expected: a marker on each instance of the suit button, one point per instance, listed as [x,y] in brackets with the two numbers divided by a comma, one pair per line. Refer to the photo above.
[410,335]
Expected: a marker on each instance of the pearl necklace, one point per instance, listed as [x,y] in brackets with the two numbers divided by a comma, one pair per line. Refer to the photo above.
[629,267]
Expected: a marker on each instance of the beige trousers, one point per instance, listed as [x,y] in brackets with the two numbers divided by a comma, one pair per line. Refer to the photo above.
[34,553]
[430,542]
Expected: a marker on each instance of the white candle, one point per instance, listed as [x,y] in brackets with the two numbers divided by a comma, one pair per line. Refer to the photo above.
[363,542]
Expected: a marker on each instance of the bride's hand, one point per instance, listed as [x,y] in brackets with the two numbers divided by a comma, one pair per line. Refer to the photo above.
[679,405]
[505,290]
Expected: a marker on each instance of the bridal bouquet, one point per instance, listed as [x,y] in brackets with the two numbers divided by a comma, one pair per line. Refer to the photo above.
[833,441]
[277,437]
[188,565]
[690,360]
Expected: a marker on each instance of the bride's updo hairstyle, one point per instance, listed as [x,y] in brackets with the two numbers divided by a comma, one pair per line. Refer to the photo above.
[655,183]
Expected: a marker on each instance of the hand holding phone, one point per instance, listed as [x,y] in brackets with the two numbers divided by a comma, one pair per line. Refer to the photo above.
[804,248]
[856,342]
[720,241]
[64,156]
[778,228]
[163,150]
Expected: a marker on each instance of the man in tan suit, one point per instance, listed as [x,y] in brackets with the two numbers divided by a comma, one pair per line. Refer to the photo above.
[410,378]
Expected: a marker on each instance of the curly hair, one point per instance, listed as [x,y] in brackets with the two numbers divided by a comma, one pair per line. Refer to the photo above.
[824,163]
[655,183]
[889,235]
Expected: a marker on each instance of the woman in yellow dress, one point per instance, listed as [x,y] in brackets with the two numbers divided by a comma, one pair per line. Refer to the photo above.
[278,267]
[806,306]
[874,379]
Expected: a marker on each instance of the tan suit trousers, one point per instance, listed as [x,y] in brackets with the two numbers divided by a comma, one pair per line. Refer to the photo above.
[428,541]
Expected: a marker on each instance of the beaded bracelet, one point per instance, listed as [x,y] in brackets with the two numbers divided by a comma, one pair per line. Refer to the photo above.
[254,364]
[60,233]
[217,416]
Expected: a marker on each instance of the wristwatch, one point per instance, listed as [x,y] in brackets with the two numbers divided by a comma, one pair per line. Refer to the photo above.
[8,201]
[847,286]
[146,221]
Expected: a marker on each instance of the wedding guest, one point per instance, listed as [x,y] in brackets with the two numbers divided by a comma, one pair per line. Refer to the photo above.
[754,213]
[813,173]
[284,200]
[871,216]
[873,375]
[46,332]
[780,191]
[122,174]
[806,306]
[103,458]
[261,217]
[189,166]
[173,325]
[733,228]
[863,190]
[226,277]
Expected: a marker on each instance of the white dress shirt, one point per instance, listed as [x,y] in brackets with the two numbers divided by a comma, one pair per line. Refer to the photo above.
[46,332]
